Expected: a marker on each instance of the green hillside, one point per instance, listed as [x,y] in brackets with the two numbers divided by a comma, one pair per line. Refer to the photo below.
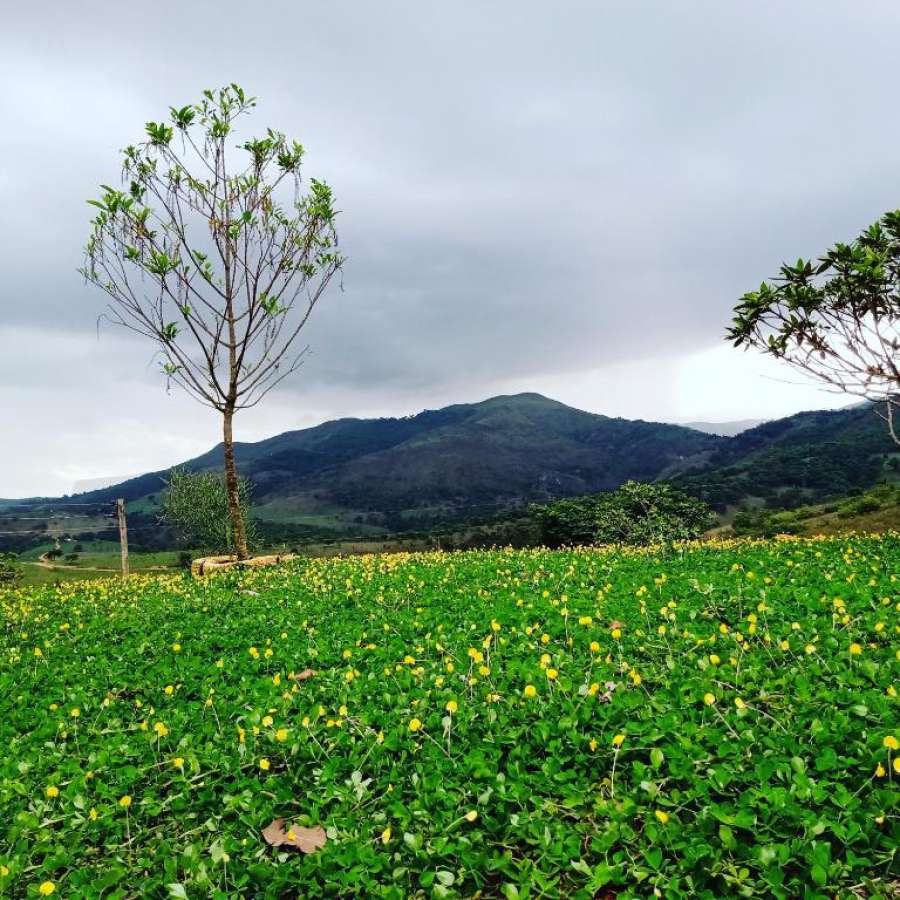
[808,457]
[462,461]
[367,478]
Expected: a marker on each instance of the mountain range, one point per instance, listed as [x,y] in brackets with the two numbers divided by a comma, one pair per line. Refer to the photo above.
[478,460]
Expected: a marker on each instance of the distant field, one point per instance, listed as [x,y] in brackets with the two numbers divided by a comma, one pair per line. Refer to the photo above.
[717,721]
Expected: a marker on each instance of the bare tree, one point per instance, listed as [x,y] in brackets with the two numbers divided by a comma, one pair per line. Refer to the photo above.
[219,263]
[838,319]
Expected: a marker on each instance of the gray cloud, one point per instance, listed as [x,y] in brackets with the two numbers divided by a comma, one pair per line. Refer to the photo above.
[528,190]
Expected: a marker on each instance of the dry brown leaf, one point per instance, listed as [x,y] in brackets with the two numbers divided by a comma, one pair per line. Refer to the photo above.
[302,676]
[306,840]
[274,834]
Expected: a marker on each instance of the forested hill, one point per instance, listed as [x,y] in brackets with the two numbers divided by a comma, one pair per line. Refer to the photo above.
[475,460]
[806,457]
[449,463]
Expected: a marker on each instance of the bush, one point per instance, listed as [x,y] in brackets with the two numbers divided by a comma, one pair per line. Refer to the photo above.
[864,504]
[636,514]
[195,504]
[10,570]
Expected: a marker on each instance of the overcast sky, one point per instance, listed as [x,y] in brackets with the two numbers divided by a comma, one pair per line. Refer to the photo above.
[564,197]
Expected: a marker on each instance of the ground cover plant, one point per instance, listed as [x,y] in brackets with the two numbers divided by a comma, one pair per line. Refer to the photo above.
[719,720]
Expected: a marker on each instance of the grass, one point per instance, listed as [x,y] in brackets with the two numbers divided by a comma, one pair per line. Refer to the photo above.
[717,721]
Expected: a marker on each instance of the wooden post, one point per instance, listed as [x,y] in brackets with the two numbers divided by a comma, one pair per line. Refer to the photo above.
[123,534]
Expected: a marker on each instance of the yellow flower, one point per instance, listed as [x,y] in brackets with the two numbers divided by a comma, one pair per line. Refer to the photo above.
[176,648]
[616,633]
[125,801]
[896,764]
[75,712]
[264,764]
[618,740]
[52,791]
[714,659]
[530,691]
[452,706]
[880,771]
[663,817]
[178,762]
[160,729]
[739,703]
[471,815]
[46,888]
[552,674]
[169,689]
[891,742]
[386,835]
[592,743]
[267,721]
[92,815]
[709,698]
[855,649]
[414,724]
[595,647]
[281,734]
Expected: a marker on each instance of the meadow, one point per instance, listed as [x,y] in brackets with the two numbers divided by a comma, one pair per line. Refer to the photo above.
[717,720]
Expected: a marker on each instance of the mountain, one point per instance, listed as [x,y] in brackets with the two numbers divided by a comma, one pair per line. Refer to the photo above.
[803,458]
[725,429]
[447,464]
[477,460]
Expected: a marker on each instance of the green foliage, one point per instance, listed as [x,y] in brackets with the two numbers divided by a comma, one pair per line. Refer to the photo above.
[837,319]
[634,514]
[806,458]
[195,504]
[851,513]
[10,570]
[753,759]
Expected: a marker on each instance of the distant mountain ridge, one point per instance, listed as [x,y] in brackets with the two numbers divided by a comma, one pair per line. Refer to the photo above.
[477,460]
[446,464]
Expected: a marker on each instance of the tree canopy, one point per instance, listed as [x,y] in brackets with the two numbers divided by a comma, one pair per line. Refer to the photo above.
[837,319]
[636,513]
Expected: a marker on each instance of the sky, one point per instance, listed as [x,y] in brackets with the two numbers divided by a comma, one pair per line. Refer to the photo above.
[566,198]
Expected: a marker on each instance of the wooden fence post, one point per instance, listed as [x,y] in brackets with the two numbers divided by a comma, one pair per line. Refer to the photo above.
[123,534]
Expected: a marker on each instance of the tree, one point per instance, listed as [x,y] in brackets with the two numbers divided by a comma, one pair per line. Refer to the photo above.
[196,505]
[10,570]
[636,513]
[219,263]
[837,319]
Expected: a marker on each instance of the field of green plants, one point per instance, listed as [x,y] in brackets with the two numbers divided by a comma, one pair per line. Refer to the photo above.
[719,720]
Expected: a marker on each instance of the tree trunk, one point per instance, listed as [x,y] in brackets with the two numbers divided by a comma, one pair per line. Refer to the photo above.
[231,486]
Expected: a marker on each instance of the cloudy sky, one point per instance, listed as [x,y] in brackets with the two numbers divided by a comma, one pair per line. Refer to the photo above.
[561,197]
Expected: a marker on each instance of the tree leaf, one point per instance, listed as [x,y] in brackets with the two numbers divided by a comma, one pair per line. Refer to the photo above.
[306,840]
